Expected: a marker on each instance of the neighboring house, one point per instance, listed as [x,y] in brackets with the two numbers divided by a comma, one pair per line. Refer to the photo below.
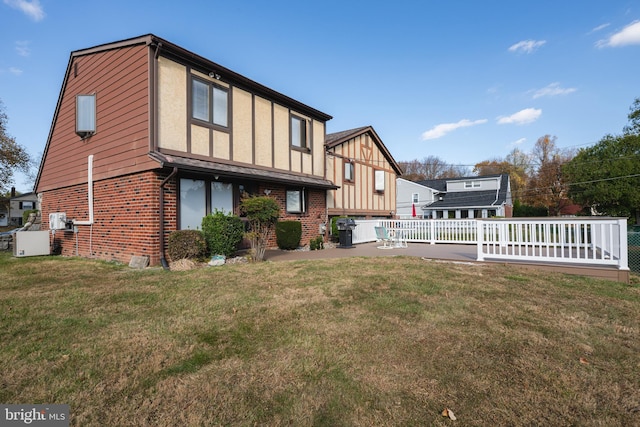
[466,197]
[365,172]
[148,138]
[411,197]
[19,205]
[4,211]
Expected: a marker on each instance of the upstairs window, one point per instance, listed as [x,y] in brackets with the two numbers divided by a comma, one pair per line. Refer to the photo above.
[296,202]
[85,115]
[415,198]
[471,184]
[349,171]
[379,181]
[210,103]
[299,132]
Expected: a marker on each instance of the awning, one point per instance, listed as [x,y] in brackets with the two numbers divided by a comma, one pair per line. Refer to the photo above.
[242,172]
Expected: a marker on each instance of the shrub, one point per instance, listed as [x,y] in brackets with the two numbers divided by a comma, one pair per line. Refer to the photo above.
[288,234]
[222,232]
[335,233]
[262,213]
[316,244]
[187,244]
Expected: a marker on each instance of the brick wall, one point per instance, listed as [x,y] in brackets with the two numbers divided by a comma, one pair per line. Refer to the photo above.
[126,217]
[316,213]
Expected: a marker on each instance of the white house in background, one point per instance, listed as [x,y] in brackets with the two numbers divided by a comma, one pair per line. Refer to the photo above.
[412,195]
[465,197]
[19,205]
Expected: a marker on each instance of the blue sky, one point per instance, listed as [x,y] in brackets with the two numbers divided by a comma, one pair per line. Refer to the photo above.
[464,80]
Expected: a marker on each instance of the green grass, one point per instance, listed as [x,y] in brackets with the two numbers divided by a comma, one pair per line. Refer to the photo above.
[380,341]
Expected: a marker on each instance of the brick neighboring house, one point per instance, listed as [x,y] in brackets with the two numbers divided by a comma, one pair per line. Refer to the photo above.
[365,172]
[148,137]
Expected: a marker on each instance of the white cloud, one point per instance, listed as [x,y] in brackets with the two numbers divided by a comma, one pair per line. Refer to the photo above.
[522,117]
[527,46]
[554,89]
[599,28]
[32,9]
[15,71]
[22,47]
[629,35]
[517,143]
[442,129]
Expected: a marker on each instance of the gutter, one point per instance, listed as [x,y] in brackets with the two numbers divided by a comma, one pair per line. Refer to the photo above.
[163,260]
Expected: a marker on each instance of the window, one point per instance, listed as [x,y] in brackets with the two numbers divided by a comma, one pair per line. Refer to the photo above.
[26,205]
[209,103]
[349,171]
[193,205]
[298,132]
[296,202]
[379,181]
[222,197]
[415,198]
[471,184]
[85,115]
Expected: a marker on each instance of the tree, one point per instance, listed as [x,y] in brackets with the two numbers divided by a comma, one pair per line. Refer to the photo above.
[606,176]
[262,213]
[430,167]
[12,155]
[547,187]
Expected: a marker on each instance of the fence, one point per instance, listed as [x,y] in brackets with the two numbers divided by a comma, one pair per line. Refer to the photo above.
[633,238]
[580,240]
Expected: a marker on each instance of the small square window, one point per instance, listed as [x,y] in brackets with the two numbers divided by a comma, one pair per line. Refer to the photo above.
[415,198]
[85,115]
[298,132]
[296,201]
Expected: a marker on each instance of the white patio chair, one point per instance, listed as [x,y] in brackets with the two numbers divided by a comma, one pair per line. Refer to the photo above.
[383,235]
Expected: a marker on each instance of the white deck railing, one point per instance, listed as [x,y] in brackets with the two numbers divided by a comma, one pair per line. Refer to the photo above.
[579,240]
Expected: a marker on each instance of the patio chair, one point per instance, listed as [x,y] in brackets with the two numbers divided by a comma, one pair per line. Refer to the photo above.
[383,235]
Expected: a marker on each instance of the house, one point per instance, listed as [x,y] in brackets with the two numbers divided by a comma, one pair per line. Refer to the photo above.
[364,172]
[465,197]
[148,137]
[20,204]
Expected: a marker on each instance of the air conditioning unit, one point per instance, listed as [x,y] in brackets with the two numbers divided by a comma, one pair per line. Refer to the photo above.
[31,243]
[57,221]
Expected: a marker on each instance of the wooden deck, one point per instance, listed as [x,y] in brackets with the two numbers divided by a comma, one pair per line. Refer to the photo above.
[444,252]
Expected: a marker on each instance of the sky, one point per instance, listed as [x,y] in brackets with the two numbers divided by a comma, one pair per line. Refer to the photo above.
[464,81]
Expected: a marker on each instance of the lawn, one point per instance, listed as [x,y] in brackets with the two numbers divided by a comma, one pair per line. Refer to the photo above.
[341,342]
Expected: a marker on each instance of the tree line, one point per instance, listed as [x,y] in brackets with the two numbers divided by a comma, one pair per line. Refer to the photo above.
[603,179]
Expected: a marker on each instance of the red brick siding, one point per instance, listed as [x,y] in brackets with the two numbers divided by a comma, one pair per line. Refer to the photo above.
[126,218]
[316,213]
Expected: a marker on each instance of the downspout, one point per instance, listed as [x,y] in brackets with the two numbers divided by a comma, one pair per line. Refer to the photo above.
[90,201]
[163,260]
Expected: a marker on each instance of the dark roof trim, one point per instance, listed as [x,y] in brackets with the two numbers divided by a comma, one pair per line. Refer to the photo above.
[334,139]
[236,171]
[205,65]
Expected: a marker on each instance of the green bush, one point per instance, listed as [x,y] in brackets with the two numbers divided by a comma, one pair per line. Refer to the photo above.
[222,232]
[288,234]
[521,210]
[317,243]
[25,215]
[189,244]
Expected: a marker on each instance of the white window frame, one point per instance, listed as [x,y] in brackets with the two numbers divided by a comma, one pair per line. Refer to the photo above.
[471,184]
[415,198]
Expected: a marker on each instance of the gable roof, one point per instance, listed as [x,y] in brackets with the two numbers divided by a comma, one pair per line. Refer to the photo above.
[472,198]
[163,47]
[334,139]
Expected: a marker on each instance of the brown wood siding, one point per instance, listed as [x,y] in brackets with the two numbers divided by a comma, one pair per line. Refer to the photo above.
[120,80]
